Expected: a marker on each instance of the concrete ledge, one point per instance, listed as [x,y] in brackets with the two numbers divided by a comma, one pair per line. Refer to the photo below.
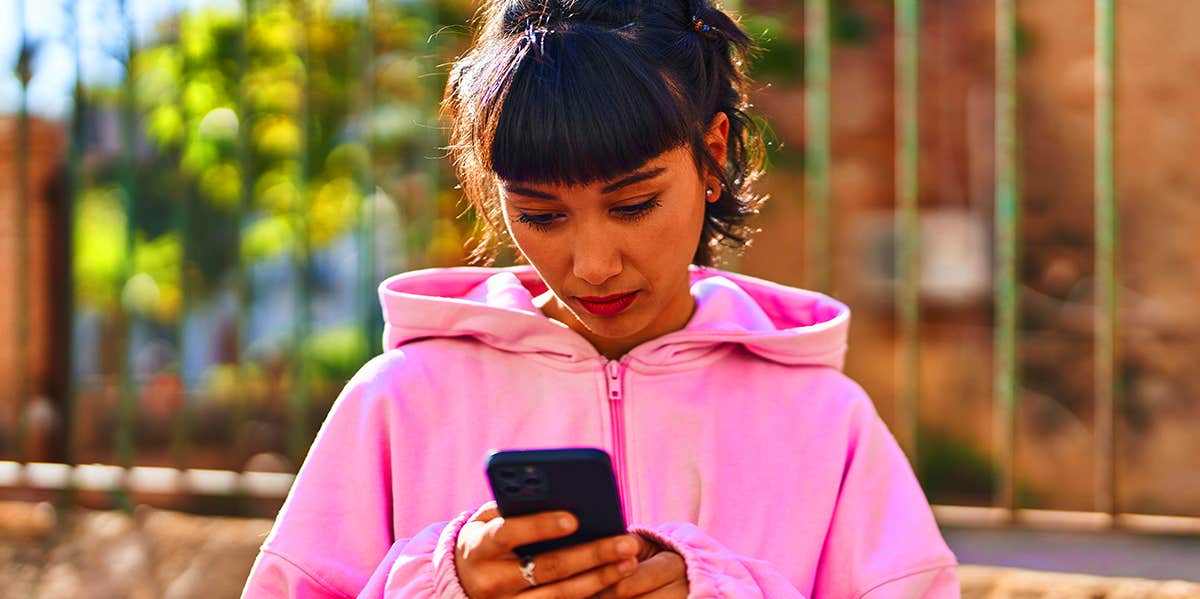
[163,554]
[984,582]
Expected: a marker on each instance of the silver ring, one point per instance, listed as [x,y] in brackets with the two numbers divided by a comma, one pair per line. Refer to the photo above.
[527,570]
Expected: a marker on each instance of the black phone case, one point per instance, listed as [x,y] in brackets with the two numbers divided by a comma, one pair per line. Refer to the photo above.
[578,480]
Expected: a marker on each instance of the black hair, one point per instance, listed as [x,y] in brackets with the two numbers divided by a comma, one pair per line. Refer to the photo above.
[577,91]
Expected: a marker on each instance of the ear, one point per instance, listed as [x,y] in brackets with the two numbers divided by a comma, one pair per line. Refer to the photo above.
[716,140]
[716,143]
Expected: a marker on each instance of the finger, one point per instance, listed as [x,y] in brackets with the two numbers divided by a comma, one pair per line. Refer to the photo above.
[647,547]
[505,534]
[585,584]
[561,564]
[486,512]
[675,590]
[656,572]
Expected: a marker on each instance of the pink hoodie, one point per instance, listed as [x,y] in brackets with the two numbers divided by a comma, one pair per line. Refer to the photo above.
[736,441]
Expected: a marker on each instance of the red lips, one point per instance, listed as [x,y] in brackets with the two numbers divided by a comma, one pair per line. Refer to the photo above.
[610,305]
[606,299]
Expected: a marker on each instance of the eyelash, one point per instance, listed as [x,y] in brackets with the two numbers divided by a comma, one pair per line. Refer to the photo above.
[631,214]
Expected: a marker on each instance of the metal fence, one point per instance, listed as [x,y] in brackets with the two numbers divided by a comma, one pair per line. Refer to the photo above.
[250,168]
[239,154]
[1005,510]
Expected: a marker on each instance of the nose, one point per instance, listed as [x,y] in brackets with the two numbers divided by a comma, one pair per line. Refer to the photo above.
[596,255]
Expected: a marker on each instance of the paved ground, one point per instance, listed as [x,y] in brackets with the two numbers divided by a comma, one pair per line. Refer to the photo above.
[1106,554]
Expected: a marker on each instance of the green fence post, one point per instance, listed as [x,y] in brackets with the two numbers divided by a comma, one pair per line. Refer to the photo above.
[181,216]
[21,234]
[1006,282]
[242,277]
[68,498]
[302,261]
[908,231]
[364,231]
[1106,268]
[127,402]
[422,218]
[817,147]
[433,138]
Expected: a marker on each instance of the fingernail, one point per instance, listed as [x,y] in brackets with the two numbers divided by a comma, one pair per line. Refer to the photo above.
[627,566]
[565,523]
[626,546]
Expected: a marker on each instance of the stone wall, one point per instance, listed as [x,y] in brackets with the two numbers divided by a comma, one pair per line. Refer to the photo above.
[170,555]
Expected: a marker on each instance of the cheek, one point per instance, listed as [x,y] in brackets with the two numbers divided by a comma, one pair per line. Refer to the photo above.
[670,240]
[543,251]
[688,224]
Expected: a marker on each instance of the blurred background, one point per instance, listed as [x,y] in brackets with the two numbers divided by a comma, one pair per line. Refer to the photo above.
[198,199]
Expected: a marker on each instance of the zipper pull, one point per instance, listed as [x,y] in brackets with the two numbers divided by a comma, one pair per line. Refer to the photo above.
[614,380]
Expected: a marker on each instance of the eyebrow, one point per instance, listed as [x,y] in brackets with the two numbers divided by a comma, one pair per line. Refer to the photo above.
[637,177]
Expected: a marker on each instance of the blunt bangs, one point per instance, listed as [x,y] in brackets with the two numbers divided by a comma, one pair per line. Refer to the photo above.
[579,105]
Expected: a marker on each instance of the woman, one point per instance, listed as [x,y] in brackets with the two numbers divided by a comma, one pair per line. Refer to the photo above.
[606,140]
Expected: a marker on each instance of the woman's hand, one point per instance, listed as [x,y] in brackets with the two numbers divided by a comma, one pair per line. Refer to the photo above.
[660,575]
[487,567]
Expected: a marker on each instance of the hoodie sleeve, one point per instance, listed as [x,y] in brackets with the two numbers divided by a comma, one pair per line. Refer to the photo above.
[715,571]
[882,541]
[333,537]
[420,567]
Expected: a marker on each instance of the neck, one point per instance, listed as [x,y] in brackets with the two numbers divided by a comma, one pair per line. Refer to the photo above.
[673,318]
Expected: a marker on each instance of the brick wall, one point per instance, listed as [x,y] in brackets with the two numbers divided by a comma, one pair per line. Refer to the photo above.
[43,291]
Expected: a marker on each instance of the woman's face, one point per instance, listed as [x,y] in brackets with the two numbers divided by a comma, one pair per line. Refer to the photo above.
[615,254]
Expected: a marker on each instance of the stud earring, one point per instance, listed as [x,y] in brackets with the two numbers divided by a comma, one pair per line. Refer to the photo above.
[708,192]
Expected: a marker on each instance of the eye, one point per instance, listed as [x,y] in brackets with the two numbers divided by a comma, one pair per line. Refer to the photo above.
[546,220]
[637,211]
[540,222]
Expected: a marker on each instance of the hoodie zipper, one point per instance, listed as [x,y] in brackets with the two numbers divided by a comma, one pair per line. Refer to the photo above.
[613,379]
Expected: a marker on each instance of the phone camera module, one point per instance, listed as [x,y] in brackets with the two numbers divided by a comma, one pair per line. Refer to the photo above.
[525,482]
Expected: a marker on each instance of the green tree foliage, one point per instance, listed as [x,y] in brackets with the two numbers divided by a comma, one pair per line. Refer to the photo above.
[261,132]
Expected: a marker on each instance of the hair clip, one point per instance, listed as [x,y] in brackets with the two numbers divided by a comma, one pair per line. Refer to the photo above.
[703,28]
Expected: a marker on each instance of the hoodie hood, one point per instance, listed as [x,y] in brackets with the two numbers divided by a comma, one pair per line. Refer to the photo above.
[495,306]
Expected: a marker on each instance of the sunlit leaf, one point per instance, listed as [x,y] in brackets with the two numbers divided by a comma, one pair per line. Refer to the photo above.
[99,245]
[278,135]
[348,160]
[337,352]
[220,124]
[199,97]
[275,191]
[140,294]
[165,126]
[199,155]
[222,185]
[156,77]
[332,210]
[267,238]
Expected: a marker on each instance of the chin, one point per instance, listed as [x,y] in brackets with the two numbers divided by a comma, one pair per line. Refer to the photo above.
[620,326]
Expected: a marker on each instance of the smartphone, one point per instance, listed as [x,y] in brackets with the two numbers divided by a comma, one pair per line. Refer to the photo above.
[579,480]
